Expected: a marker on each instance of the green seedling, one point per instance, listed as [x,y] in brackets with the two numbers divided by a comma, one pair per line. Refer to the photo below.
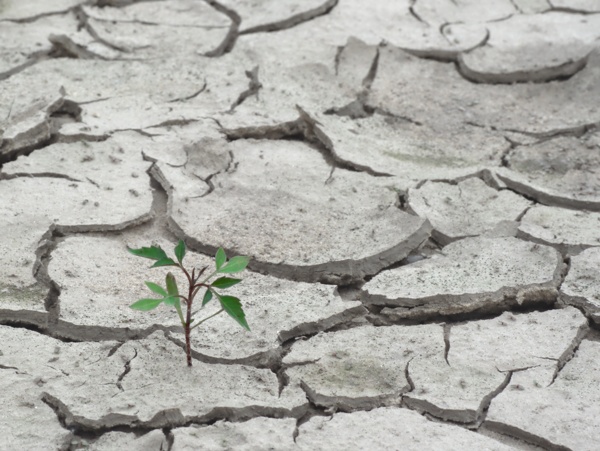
[169,295]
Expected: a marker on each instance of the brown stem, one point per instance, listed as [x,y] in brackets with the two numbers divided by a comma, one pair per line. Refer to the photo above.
[188,322]
[187,274]
[188,345]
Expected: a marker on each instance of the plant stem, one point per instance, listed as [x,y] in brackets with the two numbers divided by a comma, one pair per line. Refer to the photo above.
[188,321]
[188,344]
[206,279]
[187,274]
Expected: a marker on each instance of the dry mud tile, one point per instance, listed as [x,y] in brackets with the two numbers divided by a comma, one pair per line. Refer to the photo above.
[356,62]
[162,81]
[166,147]
[218,81]
[272,14]
[561,415]
[23,42]
[175,145]
[158,41]
[363,367]
[25,10]
[562,171]
[584,6]
[569,231]
[159,390]
[311,47]
[281,207]
[312,85]
[158,29]
[468,208]
[98,289]
[473,274]
[378,428]
[24,295]
[549,107]
[482,353]
[226,80]
[72,187]
[581,287]
[436,12]
[155,440]
[70,132]
[532,6]
[257,434]
[102,174]
[312,81]
[135,112]
[27,423]
[176,13]
[47,360]
[413,151]
[107,163]
[80,45]
[532,48]
[389,21]
[25,119]
[277,310]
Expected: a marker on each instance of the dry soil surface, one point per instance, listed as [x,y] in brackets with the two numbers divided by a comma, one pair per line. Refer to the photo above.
[416,182]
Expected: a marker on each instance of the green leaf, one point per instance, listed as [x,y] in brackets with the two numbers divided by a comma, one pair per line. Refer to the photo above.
[180,251]
[177,305]
[220,258]
[156,288]
[207,297]
[171,300]
[146,304]
[164,262]
[236,264]
[233,306]
[171,285]
[225,282]
[153,252]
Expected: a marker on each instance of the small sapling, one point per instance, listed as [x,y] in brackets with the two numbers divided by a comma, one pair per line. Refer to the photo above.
[169,295]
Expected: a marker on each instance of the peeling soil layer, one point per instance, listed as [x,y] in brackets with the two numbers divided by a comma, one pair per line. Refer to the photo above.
[416,183]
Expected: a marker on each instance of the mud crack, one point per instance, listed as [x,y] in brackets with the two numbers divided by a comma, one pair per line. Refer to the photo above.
[559,72]
[126,370]
[253,87]
[294,20]
[230,39]
[307,129]
[166,418]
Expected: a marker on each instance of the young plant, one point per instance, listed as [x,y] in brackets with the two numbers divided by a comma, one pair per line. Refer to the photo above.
[169,295]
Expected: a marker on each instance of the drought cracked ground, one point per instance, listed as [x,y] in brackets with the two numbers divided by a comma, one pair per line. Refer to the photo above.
[417,183]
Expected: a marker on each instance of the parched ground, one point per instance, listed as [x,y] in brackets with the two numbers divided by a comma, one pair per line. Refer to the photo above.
[417,183]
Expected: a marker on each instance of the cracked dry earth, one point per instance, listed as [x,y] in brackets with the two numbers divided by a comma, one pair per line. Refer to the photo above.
[417,184]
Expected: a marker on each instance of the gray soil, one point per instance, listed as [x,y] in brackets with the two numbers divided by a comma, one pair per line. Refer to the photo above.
[417,184]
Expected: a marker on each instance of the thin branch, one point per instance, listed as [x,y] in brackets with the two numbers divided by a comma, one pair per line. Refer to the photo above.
[206,319]
[187,274]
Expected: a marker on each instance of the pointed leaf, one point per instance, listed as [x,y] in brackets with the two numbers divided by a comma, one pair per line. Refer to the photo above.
[233,306]
[170,300]
[156,288]
[236,264]
[180,251]
[171,285]
[146,304]
[225,282]
[152,252]
[220,258]
[207,297]
[164,262]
